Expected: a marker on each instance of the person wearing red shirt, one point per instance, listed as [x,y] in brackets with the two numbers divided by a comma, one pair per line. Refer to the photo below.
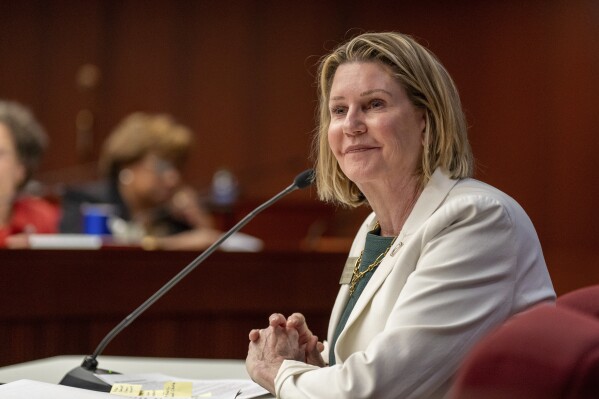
[22,143]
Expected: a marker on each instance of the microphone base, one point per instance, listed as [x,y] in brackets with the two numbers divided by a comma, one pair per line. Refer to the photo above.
[81,377]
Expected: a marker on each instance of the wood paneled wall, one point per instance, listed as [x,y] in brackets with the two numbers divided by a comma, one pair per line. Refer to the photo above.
[241,75]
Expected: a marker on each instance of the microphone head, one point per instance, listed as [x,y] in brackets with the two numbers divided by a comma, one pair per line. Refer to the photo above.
[304,179]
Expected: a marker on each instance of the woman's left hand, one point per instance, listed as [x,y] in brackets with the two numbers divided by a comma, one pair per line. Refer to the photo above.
[185,205]
[17,241]
[268,349]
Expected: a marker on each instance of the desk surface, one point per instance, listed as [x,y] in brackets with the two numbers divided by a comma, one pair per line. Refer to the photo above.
[54,368]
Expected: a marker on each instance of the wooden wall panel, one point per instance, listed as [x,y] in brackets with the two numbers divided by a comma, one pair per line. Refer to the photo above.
[241,75]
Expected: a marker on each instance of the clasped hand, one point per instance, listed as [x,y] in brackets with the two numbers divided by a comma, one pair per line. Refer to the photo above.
[283,339]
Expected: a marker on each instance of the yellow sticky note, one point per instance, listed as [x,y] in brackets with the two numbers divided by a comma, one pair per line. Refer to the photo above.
[126,389]
[152,393]
[177,389]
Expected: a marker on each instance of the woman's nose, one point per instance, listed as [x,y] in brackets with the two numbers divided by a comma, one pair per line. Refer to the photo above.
[354,122]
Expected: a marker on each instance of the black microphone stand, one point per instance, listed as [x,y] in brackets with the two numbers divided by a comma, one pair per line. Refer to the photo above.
[83,376]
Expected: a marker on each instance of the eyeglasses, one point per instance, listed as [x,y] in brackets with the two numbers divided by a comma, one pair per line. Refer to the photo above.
[158,165]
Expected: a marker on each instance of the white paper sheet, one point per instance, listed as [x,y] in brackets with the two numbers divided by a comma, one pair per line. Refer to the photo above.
[218,389]
[64,241]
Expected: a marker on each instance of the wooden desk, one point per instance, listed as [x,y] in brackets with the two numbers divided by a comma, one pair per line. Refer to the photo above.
[64,302]
[53,369]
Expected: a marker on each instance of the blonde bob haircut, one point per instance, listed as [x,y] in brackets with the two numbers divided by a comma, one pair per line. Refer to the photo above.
[141,134]
[428,86]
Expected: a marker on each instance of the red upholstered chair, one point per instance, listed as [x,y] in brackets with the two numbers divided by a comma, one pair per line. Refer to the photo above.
[548,352]
[584,300]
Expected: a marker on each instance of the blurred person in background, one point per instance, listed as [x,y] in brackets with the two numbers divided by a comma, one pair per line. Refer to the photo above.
[141,164]
[22,144]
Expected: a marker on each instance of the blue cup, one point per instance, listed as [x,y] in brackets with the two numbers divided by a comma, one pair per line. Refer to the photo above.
[95,218]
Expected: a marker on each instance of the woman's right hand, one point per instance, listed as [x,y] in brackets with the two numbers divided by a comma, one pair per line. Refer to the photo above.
[313,347]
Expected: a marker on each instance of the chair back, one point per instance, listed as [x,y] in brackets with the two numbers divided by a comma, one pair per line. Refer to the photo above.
[547,352]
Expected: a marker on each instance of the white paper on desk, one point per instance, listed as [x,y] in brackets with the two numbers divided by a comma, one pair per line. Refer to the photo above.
[219,389]
[241,242]
[29,389]
[64,241]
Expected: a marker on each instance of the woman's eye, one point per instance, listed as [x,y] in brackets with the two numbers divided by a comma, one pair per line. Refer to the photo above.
[376,104]
[337,110]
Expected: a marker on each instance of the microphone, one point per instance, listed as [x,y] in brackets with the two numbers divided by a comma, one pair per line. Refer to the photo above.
[83,376]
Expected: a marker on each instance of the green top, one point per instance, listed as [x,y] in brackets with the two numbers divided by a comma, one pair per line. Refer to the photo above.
[374,247]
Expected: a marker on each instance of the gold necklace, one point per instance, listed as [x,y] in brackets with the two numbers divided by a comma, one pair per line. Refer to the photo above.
[357,275]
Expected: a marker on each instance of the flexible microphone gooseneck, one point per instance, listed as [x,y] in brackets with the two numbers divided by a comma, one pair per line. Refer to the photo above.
[83,376]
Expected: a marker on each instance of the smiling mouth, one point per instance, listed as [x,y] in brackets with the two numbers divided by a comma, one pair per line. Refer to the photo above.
[358,149]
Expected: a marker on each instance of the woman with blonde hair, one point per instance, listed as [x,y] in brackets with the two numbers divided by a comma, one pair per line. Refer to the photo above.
[442,259]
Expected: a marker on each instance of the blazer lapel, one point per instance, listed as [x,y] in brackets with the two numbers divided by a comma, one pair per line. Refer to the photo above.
[431,198]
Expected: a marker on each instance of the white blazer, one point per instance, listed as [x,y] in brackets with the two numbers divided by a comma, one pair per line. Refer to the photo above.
[467,258]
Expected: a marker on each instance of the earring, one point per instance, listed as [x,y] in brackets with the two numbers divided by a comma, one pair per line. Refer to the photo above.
[126,176]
